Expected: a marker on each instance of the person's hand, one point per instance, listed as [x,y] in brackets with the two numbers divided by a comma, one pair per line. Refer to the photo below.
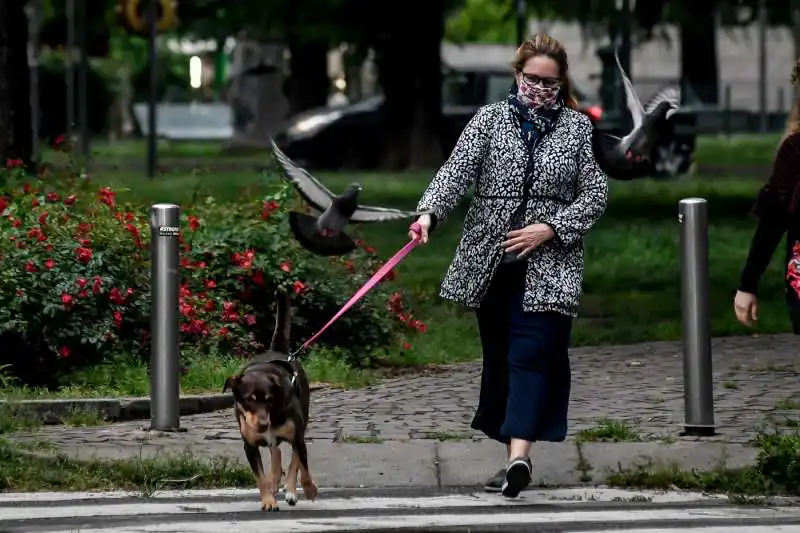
[746,307]
[524,241]
[424,223]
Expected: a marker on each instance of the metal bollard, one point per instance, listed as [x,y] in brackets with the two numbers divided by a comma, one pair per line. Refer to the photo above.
[165,340]
[697,375]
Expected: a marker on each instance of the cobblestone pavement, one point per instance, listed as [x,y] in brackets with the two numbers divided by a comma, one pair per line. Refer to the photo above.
[755,378]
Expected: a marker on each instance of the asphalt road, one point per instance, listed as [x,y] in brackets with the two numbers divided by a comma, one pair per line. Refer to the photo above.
[554,510]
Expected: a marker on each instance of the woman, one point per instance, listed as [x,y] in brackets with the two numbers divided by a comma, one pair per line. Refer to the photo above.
[538,191]
[778,210]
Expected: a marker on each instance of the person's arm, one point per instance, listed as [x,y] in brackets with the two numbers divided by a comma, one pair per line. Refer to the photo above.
[575,220]
[762,247]
[460,171]
[772,209]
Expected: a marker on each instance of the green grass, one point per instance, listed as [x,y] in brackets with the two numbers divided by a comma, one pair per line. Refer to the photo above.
[751,150]
[608,430]
[36,468]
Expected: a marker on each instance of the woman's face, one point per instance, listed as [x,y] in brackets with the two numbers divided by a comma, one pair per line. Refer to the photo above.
[540,70]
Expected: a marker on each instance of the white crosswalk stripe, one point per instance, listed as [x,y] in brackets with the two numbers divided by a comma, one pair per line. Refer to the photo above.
[585,510]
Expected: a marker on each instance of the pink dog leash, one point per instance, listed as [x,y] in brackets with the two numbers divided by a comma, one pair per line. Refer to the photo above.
[368,286]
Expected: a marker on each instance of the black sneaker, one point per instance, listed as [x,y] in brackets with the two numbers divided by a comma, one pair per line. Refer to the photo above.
[495,483]
[518,476]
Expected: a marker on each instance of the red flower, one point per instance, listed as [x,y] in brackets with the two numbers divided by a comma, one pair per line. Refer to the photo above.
[49,264]
[224,332]
[58,143]
[136,234]
[97,286]
[370,250]
[258,278]
[116,297]
[118,319]
[299,287]
[251,320]
[419,325]
[53,197]
[35,202]
[81,282]
[83,254]
[194,222]
[13,163]
[286,267]
[20,293]
[349,265]
[64,352]
[30,266]
[43,218]
[229,313]
[269,208]
[70,200]
[210,284]
[3,205]
[68,301]
[244,259]
[107,196]
[26,188]
[406,346]
[15,222]
[37,234]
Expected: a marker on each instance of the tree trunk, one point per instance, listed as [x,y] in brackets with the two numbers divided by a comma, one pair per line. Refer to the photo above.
[699,68]
[409,71]
[308,86]
[16,135]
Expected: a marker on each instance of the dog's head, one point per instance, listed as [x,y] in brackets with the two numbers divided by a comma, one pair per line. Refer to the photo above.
[262,396]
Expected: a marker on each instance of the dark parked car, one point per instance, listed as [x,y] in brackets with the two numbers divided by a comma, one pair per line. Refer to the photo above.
[331,137]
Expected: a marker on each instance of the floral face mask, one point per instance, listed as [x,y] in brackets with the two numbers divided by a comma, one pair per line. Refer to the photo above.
[537,95]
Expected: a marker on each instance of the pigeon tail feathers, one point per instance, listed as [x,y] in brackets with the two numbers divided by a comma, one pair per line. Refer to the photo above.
[304,228]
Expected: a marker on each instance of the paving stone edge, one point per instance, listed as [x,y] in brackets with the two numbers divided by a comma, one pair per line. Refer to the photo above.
[55,411]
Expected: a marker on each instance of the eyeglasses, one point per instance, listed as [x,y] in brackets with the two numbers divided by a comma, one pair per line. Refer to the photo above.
[550,83]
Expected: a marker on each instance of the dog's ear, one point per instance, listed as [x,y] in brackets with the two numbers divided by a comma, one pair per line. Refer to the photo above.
[283,322]
[232,383]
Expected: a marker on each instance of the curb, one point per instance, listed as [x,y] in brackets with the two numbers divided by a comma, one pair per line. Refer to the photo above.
[54,412]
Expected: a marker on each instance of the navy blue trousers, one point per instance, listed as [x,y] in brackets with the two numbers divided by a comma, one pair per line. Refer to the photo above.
[525,384]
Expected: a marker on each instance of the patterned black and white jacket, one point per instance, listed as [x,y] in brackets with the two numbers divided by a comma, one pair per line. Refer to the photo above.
[568,191]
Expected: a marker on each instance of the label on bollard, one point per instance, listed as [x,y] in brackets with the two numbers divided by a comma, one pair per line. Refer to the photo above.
[168,231]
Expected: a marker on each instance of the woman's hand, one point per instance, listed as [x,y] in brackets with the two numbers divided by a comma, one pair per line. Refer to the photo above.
[524,241]
[745,305]
[424,222]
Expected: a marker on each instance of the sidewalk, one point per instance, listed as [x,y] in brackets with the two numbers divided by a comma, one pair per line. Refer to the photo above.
[414,431]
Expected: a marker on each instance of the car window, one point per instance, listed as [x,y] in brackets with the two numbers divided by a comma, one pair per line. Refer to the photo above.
[458,89]
[497,87]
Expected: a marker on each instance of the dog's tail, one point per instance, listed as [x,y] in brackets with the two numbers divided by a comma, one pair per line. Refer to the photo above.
[304,228]
[283,322]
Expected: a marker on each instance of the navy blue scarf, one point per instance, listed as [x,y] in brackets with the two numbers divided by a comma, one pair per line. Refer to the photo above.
[534,124]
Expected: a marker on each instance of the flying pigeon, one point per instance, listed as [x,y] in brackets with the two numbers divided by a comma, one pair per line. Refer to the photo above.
[629,156]
[323,234]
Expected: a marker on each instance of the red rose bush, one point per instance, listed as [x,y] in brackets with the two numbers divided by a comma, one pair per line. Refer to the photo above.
[75,282]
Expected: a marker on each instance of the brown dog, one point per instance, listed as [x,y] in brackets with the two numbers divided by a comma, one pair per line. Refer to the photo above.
[272,400]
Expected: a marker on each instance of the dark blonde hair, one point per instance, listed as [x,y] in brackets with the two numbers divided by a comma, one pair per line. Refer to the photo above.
[542,44]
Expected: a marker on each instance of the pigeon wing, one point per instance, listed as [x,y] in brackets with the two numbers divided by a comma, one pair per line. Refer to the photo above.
[368,213]
[667,94]
[312,191]
[634,105]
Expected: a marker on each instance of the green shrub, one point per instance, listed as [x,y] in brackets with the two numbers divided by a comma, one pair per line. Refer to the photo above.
[75,287]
